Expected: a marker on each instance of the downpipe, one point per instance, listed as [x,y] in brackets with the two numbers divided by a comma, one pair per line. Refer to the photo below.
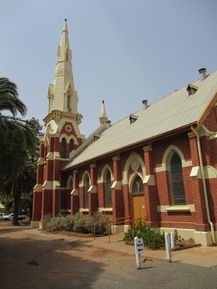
[195,131]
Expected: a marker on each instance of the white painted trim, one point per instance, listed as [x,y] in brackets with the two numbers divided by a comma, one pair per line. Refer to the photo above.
[210,172]
[132,178]
[82,178]
[116,185]
[53,156]
[37,188]
[175,208]
[105,210]
[133,155]
[149,180]
[41,161]
[74,192]
[106,167]
[83,210]
[51,185]
[92,189]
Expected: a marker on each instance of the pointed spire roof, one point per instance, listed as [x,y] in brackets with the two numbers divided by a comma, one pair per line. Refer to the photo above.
[61,94]
[103,117]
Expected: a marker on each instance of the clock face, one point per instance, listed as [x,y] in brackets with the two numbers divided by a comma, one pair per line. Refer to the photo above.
[51,127]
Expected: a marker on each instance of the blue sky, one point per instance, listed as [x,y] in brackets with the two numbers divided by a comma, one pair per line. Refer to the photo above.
[123,51]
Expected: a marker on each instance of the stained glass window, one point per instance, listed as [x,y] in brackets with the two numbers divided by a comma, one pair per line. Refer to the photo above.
[176,180]
[107,189]
[86,188]
[138,187]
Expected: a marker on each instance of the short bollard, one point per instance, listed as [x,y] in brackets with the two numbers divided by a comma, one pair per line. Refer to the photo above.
[168,247]
[172,240]
[139,248]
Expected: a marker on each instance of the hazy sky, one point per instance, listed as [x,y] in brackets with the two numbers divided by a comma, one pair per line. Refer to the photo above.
[123,51]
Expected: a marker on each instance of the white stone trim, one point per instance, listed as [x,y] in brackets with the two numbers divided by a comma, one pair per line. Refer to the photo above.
[37,188]
[51,185]
[164,167]
[41,161]
[116,185]
[210,172]
[84,210]
[133,155]
[53,156]
[101,210]
[74,192]
[82,178]
[176,208]
[132,178]
[200,237]
[92,189]
[106,167]
[149,180]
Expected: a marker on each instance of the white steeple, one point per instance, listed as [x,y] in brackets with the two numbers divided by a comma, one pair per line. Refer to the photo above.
[61,94]
[103,117]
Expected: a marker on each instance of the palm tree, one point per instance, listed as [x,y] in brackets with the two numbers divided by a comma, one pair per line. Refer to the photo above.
[16,139]
[9,98]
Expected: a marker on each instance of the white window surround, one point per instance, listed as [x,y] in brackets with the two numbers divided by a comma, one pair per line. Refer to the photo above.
[83,210]
[101,210]
[81,184]
[169,150]
[105,168]
[132,178]
[176,208]
[132,156]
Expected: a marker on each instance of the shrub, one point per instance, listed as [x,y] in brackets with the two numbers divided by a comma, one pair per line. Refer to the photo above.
[151,238]
[101,223]
[68,223]
[45,221]
[82,223]
[55,224]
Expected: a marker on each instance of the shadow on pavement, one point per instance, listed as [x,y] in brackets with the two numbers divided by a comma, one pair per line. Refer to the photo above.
[27,263]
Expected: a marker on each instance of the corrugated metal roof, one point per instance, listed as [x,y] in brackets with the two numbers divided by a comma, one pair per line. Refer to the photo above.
[167,114]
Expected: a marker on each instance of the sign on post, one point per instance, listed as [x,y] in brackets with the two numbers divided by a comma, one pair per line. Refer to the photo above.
[139,248]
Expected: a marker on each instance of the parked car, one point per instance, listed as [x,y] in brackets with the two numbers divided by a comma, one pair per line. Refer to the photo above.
[11,216]
[2,216]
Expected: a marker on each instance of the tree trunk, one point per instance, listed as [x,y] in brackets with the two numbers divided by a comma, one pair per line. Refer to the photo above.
[16,206]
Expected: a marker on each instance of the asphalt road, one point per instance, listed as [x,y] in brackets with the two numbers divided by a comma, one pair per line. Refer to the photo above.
[31,259]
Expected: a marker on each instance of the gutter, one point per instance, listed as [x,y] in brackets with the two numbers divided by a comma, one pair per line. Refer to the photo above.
[195,131]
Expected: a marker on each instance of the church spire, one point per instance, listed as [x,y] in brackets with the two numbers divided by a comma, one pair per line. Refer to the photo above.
[103,117]
[61,94]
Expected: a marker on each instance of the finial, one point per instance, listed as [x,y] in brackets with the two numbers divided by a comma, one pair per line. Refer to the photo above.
[65,19]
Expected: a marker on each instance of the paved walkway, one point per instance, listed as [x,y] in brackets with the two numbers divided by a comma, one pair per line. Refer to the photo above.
[199,256]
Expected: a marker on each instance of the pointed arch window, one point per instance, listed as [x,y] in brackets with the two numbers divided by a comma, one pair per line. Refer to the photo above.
[176,180]
[68,102]
[63,150]
[107,189]
[86,184]
[138,186]
[71,145]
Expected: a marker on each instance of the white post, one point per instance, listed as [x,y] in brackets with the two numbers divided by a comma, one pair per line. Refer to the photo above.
[172,240]
[139,247]
[168,247]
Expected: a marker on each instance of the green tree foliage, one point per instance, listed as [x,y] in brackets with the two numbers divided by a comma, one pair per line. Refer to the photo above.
[18,146]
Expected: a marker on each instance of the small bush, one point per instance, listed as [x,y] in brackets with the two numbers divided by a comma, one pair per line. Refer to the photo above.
[68,223]
[82,223]
[45,221]
[151,238]
[55,224]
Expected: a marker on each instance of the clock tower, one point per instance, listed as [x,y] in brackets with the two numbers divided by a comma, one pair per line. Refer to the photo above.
[62,135]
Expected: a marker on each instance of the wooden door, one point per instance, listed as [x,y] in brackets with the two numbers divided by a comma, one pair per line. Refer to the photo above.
[139,207]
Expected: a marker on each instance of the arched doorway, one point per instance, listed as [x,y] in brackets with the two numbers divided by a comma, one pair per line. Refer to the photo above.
[138,199]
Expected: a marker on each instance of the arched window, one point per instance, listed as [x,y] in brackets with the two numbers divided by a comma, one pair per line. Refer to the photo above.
[68,102]
[138,186]
[107,189]
[86,188]
[71,145]
[176,180]
[63,148]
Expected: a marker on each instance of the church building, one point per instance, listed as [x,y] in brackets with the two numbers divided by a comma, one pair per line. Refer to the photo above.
[159,163]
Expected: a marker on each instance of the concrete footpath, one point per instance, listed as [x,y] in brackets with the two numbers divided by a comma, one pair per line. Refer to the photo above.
[198,256]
